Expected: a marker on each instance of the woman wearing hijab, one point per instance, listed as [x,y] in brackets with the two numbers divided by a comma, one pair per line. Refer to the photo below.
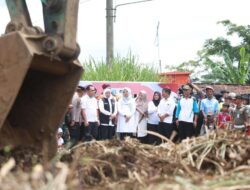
[126,110]
[141,115]
[108,111]
[153,119]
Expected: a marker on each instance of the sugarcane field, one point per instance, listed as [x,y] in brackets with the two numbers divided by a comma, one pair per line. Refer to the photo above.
[216,161]
[124,94]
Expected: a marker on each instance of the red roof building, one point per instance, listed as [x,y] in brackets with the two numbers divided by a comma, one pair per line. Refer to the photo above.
[179,78]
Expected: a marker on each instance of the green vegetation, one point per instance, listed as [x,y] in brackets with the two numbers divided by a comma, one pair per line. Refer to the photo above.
[226,71]
[123,69]
[220,61]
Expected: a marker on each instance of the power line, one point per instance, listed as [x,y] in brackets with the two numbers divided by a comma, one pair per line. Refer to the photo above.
[85,1]
[129,3]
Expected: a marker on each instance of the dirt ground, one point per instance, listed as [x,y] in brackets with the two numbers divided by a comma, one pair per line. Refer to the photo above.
[216,161]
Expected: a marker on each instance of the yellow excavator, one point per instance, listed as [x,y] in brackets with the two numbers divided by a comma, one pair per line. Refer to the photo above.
[39,72]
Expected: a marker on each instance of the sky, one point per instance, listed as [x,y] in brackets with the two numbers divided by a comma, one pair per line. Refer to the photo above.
[184,25]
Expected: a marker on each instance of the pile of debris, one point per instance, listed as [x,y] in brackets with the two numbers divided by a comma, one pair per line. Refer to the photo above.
[216,161]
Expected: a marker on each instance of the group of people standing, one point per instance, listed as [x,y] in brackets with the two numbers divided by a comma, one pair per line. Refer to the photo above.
[91,118]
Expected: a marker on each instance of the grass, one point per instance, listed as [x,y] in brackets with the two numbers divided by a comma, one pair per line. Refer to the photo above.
[123,69]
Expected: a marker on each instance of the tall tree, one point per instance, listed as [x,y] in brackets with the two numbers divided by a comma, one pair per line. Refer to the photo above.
[219,60]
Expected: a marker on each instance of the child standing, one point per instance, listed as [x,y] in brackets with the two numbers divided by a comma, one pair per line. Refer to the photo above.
[224,117]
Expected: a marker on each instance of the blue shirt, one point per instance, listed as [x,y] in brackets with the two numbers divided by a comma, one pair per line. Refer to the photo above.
[209,106]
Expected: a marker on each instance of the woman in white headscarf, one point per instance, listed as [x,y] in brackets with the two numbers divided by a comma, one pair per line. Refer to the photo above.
[126,110]
[141,115]
[108,111]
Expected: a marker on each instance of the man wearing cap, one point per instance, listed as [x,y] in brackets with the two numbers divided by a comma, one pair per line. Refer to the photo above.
[240,114]
[74,128]
[66,124]
[210,108]
[186,114]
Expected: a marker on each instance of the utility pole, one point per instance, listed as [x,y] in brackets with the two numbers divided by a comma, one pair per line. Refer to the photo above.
[157,43]
[109,32]
[110,15]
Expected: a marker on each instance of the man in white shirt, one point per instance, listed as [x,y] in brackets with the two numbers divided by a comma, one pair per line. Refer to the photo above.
[76,122]
[90,113]
[186,114]
[165,112]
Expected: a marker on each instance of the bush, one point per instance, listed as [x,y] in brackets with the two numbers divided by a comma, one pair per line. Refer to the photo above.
[123,69]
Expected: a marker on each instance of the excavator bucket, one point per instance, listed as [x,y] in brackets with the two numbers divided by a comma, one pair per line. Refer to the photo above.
[35,91]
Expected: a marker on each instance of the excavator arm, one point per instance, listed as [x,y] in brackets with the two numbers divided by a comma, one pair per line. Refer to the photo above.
[60,24]
[39,72]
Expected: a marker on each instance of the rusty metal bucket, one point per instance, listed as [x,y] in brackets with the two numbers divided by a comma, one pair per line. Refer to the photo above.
[35,90]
